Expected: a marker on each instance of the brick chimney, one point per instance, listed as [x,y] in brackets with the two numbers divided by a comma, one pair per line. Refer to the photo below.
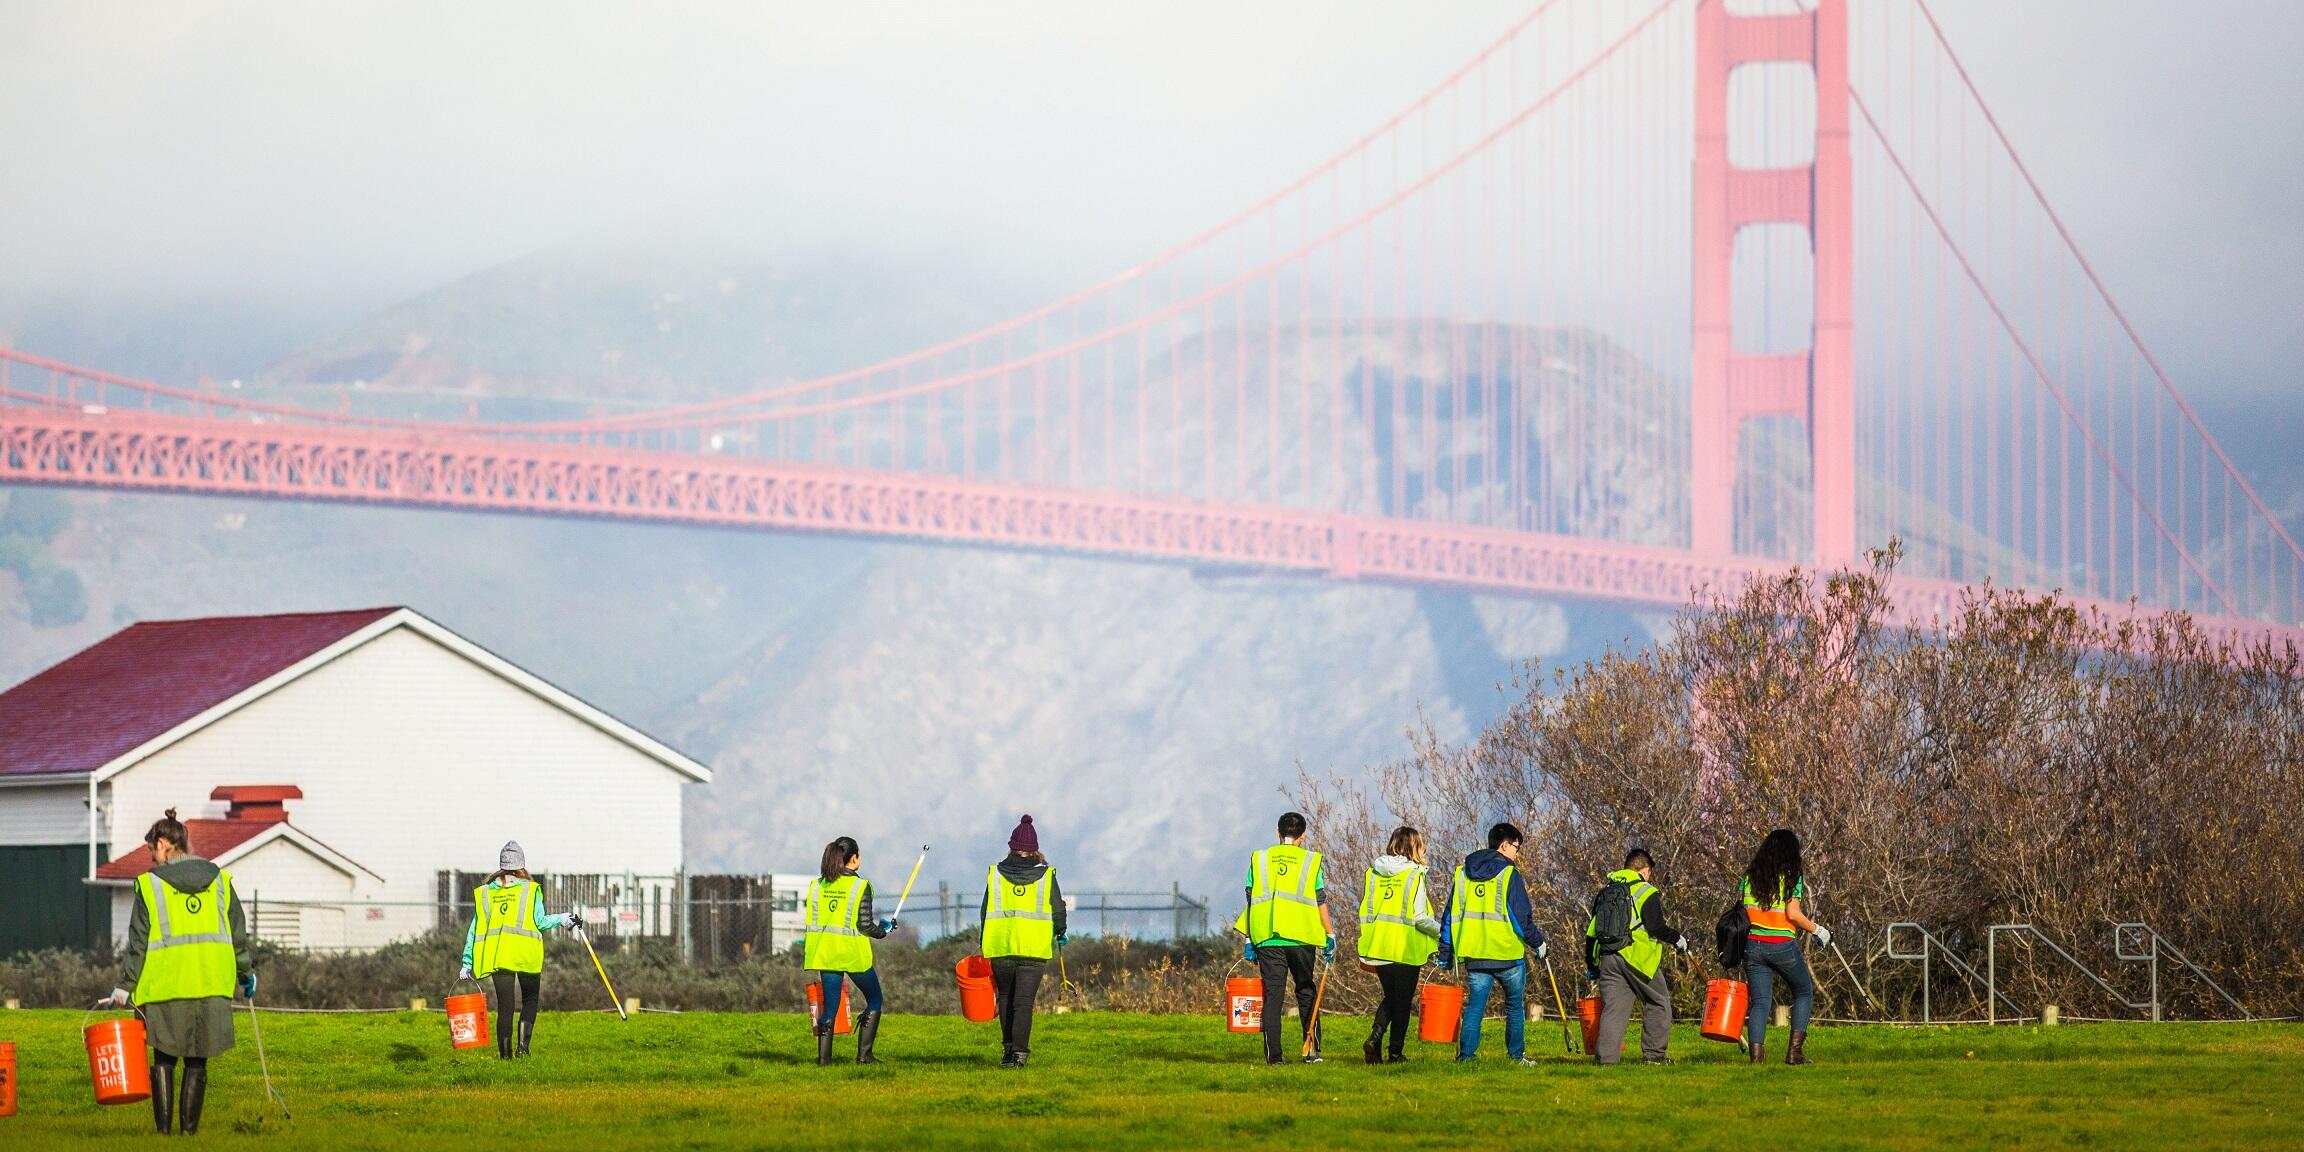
[257,803]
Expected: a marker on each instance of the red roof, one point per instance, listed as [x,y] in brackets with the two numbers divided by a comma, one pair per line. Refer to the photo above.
[210,839]
[147,678]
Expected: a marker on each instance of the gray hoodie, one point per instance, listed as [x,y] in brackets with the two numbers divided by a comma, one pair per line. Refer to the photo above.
[185,873]
[1420,906]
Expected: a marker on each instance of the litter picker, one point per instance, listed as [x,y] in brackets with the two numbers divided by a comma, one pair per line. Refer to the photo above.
[586,937]
[1312,1026]
[1560,1005]
[1845,966]
[907,894]
[255,1024]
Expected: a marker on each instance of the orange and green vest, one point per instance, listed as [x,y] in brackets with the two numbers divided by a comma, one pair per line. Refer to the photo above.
[1771,921]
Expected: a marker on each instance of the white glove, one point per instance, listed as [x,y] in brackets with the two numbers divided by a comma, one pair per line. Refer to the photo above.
[118,998]
[1823,936]
[464,973]
[1543,950]
[1682,945]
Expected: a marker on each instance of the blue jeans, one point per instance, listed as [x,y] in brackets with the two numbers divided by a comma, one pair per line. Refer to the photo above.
[1515,982]
[1764,961]
[867,982]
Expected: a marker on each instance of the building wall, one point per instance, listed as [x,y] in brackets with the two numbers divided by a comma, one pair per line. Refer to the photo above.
[414,760]
[45,905]
[46,814]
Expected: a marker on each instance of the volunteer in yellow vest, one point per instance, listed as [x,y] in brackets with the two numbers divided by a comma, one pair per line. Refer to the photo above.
[1023,927]
[504,944]
[1772,948]
[1398,935]
[1624,945]
[1491,929]
[1287,925]
[187,950]
[841,930]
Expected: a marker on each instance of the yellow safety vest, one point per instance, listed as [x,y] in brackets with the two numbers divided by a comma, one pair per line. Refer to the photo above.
[1283,897]
[1480,917]
[1389,907]
[835,944]
[1645,953]
[504,934]
[188,953]
[1017,919]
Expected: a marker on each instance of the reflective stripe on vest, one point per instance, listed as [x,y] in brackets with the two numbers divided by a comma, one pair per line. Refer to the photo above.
[1480,917]
[1771,921]
[1388,906]
[504,936]
[1645,953]
[1283,896]
[834,942]
[188,950]
[1018,920]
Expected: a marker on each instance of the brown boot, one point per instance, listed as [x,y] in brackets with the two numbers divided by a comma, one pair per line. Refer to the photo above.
[1758,1052]
[1796,1053]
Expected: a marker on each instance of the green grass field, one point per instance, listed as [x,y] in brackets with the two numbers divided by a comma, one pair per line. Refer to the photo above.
[1116,1081]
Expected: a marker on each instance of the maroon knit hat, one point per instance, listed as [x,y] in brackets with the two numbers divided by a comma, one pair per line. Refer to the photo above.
[1024,839]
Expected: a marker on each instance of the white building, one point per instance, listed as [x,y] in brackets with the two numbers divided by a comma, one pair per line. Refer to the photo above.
[341,762]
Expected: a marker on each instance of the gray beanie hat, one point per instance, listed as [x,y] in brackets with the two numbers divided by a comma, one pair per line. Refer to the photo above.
[511,858]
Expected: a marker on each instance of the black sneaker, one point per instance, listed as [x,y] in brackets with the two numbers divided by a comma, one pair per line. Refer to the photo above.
[1009,1060]
[1396,1058]
[1313,1058]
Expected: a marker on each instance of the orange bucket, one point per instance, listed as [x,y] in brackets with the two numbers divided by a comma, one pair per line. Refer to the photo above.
[1440,1012]
[1244,1004]
[840,1024]
[1588,1011]
[467,1020]
[977,1001]
[1724,1005]
[7,1079]
[116,1061]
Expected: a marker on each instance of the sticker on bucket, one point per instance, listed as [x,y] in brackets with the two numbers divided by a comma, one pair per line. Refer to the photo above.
[1248,1013]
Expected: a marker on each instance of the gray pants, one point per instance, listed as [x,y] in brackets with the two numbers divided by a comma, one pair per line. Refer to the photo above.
[1620,986]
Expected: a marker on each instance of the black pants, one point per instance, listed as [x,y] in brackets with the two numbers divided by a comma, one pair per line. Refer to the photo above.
[1399,984]
[1278,964]
[1016,987]
[529,983]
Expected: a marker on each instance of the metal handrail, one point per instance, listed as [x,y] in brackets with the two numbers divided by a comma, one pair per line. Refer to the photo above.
[2154,945]
[1928,944]
[1992,969]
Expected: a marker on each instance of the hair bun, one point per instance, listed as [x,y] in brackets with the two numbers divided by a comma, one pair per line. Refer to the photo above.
[171,814]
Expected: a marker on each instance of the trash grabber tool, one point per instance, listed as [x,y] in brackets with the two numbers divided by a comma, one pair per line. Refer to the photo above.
[908,883]
[1845,966]
[255,1024]
[1312,1026]
[1559,1004]
[586,937]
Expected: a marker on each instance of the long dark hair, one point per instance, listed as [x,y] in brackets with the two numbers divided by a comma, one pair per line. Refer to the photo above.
[1775,871]
[836,857]
[168,828]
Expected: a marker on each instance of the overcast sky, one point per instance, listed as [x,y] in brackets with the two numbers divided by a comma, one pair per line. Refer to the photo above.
[333,158]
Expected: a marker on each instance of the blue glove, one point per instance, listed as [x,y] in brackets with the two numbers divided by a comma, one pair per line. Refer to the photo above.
[1445,959]
[1328,950]
[1248,952]
[248,985]
[887,926]
[1059,941]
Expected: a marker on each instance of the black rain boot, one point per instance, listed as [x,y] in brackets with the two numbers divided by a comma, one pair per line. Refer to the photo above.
[504,1038]
[1758,1052]
[195,1091]
[824,1042]
[867,1030]
[527,1029]
[1796,1052]
[163,1095]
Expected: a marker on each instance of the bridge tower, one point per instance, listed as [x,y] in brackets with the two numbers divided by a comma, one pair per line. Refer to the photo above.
[1818,384]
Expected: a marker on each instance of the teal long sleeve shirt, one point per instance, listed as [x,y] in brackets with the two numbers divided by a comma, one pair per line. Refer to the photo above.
[545,921]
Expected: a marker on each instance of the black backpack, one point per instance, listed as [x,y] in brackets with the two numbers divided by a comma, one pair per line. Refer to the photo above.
[1612,919]
[1729,936]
